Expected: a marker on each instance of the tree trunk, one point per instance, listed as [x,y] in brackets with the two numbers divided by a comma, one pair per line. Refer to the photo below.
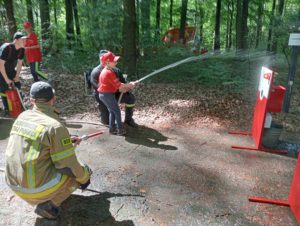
[171,13]
[145,15]
[184,4]
[69,22]
[77,25]
[259,22]
[217,26]
[278,24]
[271,26]
[227,25]
[12,26]
[157,32]
[241,24]
[138,8]
[230,9]
[55,13]
[29,12]
[280,7]
[45,19]
[238,24]
[129,37]
[230,24]
[201,21]
[244,28]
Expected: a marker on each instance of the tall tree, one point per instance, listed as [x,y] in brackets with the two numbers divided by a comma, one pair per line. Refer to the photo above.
[217,26]
[12,26]
[201,20]
[244,23]
[138,10]
[29,12]
[145,15]
[157,32]
[230,24]
[45,19]
[184,4]
[230,11]
[129,37]
[55,13]
[69,22]
[259,21]
[77,25]
[171,13]
[278,22]
[271,26]
[238,23]
[241,24]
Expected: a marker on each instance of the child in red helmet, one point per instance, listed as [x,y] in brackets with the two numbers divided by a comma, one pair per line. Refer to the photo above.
[33,52]
[109,84]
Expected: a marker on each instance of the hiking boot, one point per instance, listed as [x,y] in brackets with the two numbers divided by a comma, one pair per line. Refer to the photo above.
[47,210]
[113,131]
[128,118]
[131,123]
[121,132]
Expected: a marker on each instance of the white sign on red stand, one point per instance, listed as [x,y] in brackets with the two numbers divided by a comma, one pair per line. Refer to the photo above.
[263,93]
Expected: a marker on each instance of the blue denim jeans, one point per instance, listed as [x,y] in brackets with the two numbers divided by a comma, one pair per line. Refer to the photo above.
[110,101]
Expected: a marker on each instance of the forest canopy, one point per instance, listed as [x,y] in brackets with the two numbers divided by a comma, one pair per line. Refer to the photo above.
[80,28]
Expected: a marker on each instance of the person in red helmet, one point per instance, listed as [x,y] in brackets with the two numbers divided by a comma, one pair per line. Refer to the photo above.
[109,84]
[33,52]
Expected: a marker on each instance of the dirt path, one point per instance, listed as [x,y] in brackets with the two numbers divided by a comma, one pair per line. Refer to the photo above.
[166,176]
[177,169]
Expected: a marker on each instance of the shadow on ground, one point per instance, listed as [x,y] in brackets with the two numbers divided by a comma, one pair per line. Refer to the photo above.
[86,210]
[148,137]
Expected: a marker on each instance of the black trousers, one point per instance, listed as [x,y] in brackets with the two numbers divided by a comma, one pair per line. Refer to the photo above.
[127,98]
[36,72]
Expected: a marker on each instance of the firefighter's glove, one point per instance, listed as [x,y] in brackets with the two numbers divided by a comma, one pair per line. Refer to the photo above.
[75,139]
[85,185]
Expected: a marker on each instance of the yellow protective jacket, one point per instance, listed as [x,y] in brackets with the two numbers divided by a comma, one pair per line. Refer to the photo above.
[39,151]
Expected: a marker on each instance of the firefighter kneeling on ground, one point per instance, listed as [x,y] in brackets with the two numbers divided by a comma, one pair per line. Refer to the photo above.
[41,164]
[128,98]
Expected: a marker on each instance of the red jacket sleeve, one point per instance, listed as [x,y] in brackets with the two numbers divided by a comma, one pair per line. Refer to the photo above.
[114,80]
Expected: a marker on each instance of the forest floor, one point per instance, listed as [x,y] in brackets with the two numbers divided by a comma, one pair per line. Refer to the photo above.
[176,169]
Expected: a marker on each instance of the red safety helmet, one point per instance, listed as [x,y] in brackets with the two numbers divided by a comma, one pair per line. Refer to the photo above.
[27,25]
[109,57]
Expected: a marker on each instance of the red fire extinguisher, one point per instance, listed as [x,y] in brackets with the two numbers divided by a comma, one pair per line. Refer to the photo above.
[14,102]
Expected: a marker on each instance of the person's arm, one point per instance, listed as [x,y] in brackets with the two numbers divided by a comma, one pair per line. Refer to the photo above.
[19,68]
[19,64]
[33,47]
[119,74]
[95,79]
[63,154]
[3,73]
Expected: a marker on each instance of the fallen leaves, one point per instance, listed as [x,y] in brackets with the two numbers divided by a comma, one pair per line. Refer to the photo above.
[165,104]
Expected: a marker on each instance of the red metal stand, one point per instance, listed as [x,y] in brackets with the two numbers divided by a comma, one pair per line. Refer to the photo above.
[269,201]
[244,133]
[264,101]
[260,149]
[293,199]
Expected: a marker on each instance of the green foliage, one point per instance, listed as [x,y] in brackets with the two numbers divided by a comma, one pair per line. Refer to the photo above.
[101,28]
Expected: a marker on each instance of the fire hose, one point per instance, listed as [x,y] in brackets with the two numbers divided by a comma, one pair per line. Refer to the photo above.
[189,59]
[85,137]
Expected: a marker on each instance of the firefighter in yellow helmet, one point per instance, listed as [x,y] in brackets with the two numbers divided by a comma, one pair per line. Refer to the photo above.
[41,165]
